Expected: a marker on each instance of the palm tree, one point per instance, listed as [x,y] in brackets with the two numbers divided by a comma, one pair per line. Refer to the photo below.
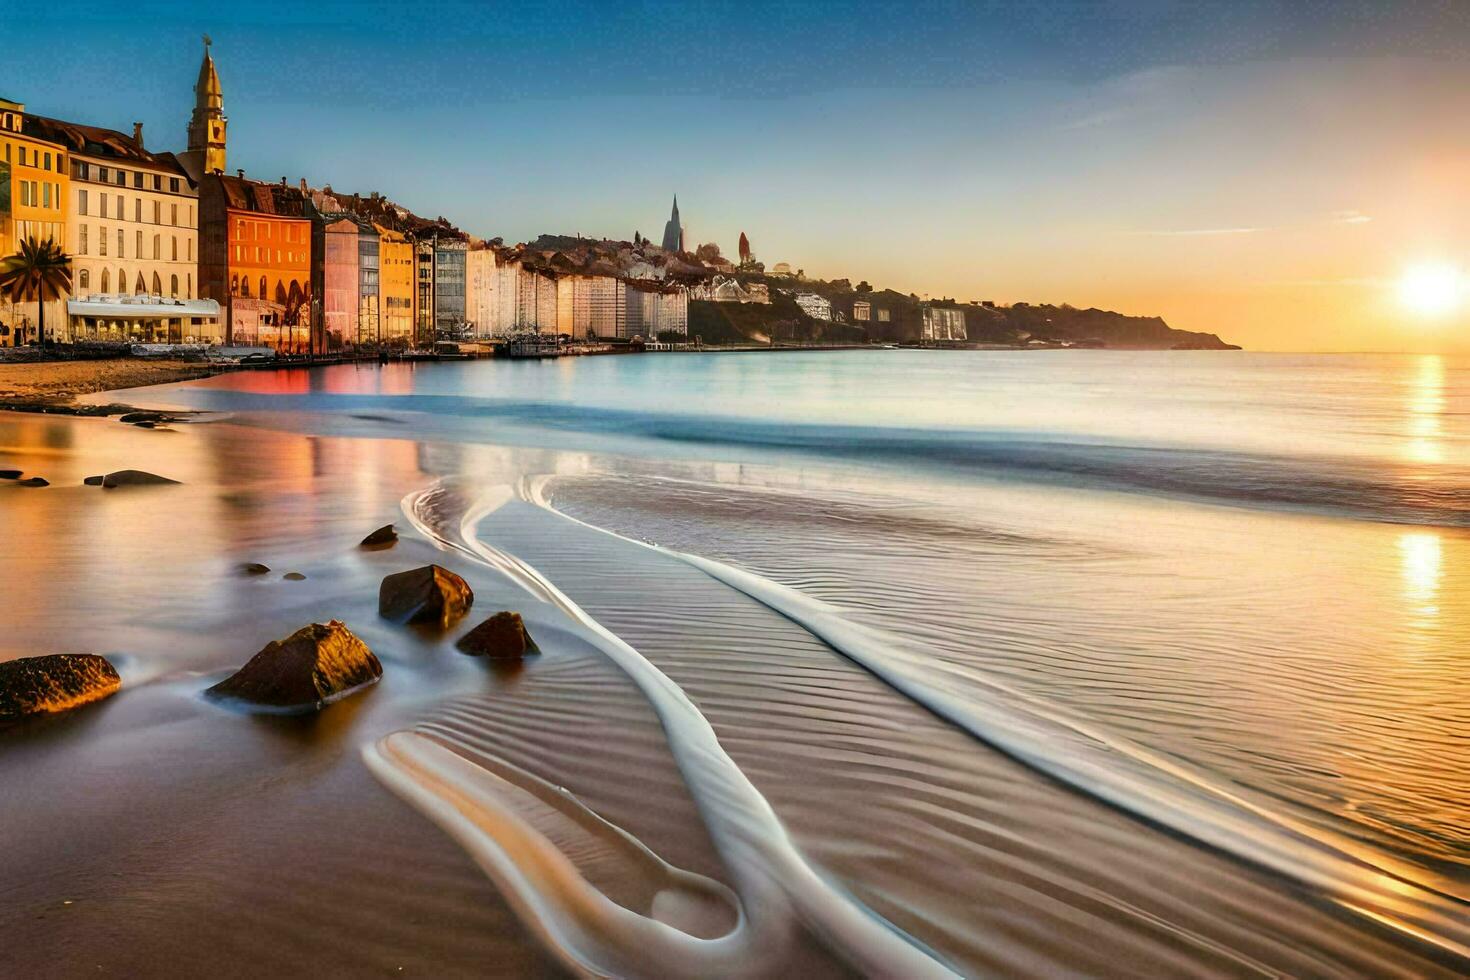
[40,271]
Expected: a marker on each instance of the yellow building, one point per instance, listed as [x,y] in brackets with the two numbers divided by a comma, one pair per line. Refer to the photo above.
[33,203]
[395,285]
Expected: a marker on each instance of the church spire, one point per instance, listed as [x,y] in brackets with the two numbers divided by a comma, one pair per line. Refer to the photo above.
[206,152]
[674,231]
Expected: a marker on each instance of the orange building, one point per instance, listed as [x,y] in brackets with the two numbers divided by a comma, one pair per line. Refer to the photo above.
[255,259]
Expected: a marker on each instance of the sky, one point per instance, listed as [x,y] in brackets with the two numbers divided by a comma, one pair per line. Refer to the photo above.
[1291,176]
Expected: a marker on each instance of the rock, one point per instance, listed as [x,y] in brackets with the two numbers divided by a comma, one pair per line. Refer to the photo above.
[430,594]
[502,637]
[34,481]
[294,577]
[133,418]
[134,478]
[314,665]
[254,568]
[43,685]
[145,425]
[383,536]
[94,481]
[9,474]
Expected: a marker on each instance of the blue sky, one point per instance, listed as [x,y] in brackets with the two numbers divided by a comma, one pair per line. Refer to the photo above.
[986,150]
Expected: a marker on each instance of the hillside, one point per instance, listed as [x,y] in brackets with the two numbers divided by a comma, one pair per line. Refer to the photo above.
[1019,324]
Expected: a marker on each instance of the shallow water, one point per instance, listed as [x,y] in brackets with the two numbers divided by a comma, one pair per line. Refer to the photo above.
[1028,663]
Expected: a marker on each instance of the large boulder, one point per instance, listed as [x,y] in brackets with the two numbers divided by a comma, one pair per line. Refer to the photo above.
[501,637]
[430,594]
[43,685]
[134,478]
[381,538]
[314,665]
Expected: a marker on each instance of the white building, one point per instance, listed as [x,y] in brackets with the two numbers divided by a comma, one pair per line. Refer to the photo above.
[814,306]
[943,323]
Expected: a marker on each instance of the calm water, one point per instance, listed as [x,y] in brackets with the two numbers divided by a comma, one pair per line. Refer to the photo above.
[1042,661]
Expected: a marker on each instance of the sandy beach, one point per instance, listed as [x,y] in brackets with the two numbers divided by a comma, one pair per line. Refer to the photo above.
[33,382]
[681,747]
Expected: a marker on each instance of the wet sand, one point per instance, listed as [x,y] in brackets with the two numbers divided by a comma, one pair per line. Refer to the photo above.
[60,381]
[159,833]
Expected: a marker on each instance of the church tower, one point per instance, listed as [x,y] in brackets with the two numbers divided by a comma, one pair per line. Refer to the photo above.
[206,154]
[673,231]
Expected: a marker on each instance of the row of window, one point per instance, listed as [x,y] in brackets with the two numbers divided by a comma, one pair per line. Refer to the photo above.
[240,286]
[84,244]
[40,194]
[257,255]
[119,211]
[140,288]
[40,231]
[82,170]
[40,159]
[255,231]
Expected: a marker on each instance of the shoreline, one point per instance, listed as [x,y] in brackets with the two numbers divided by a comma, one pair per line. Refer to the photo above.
[54,386]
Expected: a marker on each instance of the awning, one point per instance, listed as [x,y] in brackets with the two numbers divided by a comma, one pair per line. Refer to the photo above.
[143,307]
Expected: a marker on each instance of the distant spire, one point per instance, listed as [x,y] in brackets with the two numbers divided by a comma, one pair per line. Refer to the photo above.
[674,231]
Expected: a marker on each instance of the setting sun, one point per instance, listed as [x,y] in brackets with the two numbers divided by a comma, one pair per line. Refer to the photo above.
[1432,289]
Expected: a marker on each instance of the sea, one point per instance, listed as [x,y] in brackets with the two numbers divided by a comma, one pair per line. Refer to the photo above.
[875,662]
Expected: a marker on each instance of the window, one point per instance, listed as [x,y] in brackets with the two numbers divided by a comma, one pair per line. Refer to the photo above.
[45,161]
[138,179]
[101,175]
[82,201]
[122,179]
[175,240]
[120,210]
[102,241]
[138,209]
[82,240]
[262,287]
[157,246]
[173,286]
[103,199]
[120,245]
[104,281]
[157,285]
[138,246]
[84,278]
[188,285]
[189,247]
[173,214]
[173,184]
[158,212]
[46,195]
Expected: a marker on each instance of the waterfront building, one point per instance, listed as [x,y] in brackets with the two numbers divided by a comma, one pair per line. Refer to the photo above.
[396,286]
[255,259]
[728,289]
[132,233]
[653,313]
[943,323]
[33,204]
[369,327]
[480,281]
[814,306]
[336,281]
[674,231]
[449,287]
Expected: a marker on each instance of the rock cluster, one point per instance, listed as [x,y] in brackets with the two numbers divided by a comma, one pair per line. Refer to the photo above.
[128,478]
[59,682]
[430,594]
[310,667]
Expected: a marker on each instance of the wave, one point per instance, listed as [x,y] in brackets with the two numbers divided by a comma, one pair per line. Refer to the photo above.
[1360,487]
[1146,783]
[775,887]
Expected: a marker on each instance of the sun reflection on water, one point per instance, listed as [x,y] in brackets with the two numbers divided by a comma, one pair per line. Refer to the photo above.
[1421,566]
[1424,405]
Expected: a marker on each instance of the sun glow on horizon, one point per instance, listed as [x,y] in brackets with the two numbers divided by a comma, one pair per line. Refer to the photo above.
[1432,289]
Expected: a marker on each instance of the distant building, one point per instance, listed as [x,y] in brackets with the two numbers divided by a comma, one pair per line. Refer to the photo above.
[863,311]
[395,286]
[728,289]
[746,256]
[943,323]
[814,306]
[782,269]
[674,231]
[336,281]
[480,283]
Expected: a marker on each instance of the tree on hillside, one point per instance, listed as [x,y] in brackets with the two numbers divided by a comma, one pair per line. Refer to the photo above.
[38,272]
[863,287]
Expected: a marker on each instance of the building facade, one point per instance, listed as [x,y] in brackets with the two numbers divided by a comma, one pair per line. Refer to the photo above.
[336,281]
[814,306]
[255,259]
[943,323]
[396,286]
[34,191]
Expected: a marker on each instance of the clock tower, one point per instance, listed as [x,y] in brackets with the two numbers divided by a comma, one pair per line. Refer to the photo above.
[206,153]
